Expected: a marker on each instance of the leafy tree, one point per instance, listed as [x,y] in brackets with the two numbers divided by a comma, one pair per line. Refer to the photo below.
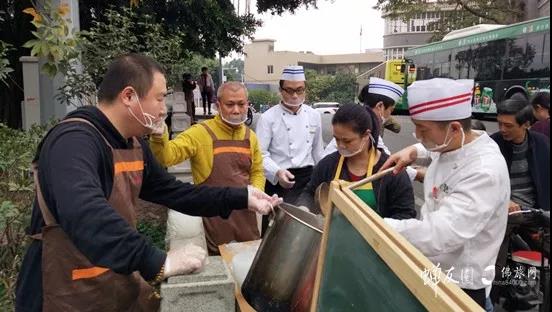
[207,27]
[455,14]
[53,39]
[5,68]
[258,97]
[121,31]
[339,88]
[233,70]
[280,6]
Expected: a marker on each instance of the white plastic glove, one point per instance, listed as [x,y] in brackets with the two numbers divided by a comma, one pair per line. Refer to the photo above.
[285,178]
[260,202]
[185,260]
[159,128]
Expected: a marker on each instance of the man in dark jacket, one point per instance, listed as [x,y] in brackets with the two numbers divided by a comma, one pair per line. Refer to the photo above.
[90,170]
[527,155]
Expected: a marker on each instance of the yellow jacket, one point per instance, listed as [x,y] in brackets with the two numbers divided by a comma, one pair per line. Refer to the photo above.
[196,144]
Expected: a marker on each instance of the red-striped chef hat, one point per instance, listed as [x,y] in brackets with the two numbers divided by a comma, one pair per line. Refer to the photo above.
[440,99]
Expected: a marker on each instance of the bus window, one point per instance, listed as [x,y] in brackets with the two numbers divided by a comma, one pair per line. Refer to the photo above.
[546,56]
[462,62]
[488,60]
[442,64]
[535,55]
[516,63]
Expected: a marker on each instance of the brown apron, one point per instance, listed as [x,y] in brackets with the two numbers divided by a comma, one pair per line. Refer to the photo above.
[70,282]
[231,167]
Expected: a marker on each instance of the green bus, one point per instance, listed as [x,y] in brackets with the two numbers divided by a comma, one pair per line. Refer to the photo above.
[503,61]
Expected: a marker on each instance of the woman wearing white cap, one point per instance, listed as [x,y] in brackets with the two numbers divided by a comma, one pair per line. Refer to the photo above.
[380,96]
[466,187]
[355,129]
[290,135]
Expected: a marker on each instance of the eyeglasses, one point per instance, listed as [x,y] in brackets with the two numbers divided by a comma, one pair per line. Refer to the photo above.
[290,91]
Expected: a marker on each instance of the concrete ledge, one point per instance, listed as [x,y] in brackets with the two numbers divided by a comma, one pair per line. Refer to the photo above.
[211,290]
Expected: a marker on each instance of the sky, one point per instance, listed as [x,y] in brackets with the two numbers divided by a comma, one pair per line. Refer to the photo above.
[333,28]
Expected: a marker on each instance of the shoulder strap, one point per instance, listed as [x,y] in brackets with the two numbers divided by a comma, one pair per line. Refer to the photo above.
[339,167]
[211,133]
[89,123]
[46,214]
[247,133]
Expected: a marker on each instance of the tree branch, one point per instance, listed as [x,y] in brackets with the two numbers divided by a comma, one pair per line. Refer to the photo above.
[475,12]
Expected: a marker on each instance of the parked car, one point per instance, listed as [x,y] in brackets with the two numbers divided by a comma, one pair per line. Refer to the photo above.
[326,107]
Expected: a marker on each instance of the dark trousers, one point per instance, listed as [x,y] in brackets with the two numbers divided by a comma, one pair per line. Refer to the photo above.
[478,295]
[290,196]
[206,100]
[190,106]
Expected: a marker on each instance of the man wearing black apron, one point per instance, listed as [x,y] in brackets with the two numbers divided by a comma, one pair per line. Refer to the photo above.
[90,171]
[290,135]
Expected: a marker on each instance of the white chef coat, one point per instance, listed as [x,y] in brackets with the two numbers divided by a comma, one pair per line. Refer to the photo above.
[463,219]
[289,140]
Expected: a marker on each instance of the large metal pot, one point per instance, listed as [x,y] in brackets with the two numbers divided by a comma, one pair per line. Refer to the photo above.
[281,277]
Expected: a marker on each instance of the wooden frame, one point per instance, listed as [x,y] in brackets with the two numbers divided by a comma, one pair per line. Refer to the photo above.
[406,262]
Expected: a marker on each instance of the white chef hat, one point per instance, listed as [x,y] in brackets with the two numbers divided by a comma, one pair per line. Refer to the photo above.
[386,88]
[293,73]
[440,99]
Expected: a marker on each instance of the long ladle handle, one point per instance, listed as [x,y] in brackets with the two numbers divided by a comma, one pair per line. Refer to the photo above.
[371,178]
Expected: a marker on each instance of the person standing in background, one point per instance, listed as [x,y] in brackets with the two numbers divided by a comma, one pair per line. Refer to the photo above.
[290,135]
[541,110]
[207,89]
[188,87]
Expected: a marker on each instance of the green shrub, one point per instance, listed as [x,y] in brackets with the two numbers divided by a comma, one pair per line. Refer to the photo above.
[258,97]
[17,149]
[155,233]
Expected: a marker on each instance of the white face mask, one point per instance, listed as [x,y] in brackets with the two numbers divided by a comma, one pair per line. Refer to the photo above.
[438,148]
[297,103]
[346,153]
[234,121]
[149,120]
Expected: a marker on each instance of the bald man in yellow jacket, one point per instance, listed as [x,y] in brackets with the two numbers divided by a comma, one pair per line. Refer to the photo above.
[223,152]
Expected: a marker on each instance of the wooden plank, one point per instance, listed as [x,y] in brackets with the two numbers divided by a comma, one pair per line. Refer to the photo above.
[401,257]
[227,256]
[321,257]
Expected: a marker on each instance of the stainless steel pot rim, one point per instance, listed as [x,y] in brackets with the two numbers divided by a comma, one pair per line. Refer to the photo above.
[286,207]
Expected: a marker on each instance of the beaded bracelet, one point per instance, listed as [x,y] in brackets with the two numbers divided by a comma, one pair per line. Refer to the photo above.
[159,277]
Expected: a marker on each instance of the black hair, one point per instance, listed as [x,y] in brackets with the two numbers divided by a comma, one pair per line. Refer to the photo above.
[520,96]
[522,111]
[359,118]
[186,76]
[134,70]
[478,125]
[371,99]
[204,68]
[542,99]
